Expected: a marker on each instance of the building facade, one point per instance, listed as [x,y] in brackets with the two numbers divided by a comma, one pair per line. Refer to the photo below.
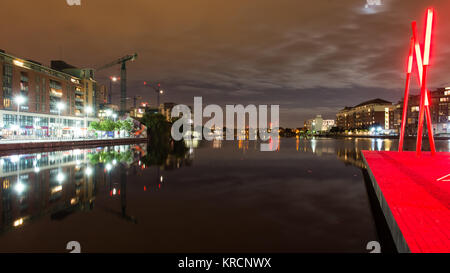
[372,113]
[318,124]
[439,111]
[36,100]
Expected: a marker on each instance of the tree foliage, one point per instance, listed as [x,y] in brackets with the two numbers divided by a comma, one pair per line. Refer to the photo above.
[158,127]
[110,125]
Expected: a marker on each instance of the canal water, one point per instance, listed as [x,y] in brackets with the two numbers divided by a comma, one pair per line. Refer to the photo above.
[219,196]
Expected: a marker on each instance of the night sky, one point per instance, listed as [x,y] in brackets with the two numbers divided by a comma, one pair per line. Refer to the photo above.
[311,57]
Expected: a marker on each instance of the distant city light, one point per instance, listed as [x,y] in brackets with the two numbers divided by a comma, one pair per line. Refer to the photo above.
[18,222]
[56,189]
[108,167]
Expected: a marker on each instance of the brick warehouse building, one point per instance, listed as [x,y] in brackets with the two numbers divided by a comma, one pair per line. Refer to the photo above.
[55,101]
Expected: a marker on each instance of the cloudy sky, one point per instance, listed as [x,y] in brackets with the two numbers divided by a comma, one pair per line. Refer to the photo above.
[310,57]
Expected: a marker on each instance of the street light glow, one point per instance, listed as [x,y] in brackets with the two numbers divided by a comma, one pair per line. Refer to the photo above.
[60,106]
[88,171]
[60,178]
[20,99]
[88,109]
[20,187]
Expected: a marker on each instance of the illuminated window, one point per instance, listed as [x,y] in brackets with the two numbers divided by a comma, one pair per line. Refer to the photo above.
[5,184]
[7,102]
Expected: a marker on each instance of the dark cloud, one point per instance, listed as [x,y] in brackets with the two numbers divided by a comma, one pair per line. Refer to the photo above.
[311,57]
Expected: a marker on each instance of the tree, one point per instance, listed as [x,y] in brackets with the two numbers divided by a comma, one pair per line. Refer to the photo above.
[157,126]
[127,125]
[95,125]
[107,125]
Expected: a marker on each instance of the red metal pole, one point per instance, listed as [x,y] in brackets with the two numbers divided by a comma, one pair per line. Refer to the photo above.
[429,124]
[421,111]
[405,112]
[405,100]
[424,107]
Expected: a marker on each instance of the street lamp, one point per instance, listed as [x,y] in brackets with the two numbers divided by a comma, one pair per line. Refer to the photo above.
[19,101]
[60,106]
[88,110]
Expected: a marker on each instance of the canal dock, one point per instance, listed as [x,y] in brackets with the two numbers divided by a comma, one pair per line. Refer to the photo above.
[414,195]
[7,147]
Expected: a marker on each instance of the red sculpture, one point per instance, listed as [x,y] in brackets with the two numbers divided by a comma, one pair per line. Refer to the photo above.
[422,69]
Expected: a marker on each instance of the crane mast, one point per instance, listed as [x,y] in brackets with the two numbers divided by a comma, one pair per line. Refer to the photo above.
[123,78]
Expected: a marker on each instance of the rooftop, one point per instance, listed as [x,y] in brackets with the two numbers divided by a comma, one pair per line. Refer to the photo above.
[374,101]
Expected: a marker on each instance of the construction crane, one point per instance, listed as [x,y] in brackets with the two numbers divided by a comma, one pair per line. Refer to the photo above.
[123,78]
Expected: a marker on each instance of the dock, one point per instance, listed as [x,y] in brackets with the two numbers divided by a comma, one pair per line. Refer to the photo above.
[414,195]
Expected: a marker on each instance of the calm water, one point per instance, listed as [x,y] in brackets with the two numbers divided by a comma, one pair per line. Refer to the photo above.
[219,196]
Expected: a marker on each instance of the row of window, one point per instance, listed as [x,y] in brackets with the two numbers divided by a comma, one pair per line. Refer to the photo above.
[9,119]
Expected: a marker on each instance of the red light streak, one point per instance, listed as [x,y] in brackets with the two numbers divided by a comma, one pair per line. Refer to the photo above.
[410,56]
[426,53]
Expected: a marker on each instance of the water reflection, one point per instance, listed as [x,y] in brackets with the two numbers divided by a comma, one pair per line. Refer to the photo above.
[59,183]
[49,183]
[233,193]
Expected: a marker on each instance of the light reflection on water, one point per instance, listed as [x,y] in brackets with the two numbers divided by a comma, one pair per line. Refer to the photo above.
[211,196]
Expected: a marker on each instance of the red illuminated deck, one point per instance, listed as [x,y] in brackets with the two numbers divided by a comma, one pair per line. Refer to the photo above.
[414,194]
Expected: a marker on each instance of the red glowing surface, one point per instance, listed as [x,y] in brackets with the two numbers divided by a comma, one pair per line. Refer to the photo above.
[417,195]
